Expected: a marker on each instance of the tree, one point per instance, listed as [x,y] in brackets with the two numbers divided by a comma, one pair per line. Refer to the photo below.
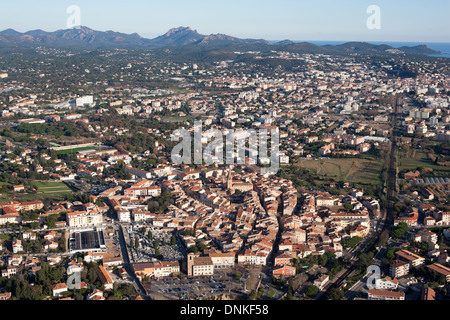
[348,206]
[260,293]
[352,242]
[390,253]
[401,230]
[34,225]
[116,295]
[311,290]
[252,295]
[193,249]
[323,259]
[270,292]
[289,295]
[56,275]
[50,220]
[364,260]
[335,294]
[91,275]
[126,289]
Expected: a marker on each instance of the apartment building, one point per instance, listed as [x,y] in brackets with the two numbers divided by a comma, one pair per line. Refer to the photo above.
[398,268]
[428,236]
[441,270]
[143,191]
[283,259]
[199,266]
[413,259]
[32,205]
[104,277]
[156,269]
[9,215]
[375,294]
[78,219]
[386,284]
[223,260]
[252,258]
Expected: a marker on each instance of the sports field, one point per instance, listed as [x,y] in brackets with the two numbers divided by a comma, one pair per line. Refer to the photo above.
[75,150]
[50,188]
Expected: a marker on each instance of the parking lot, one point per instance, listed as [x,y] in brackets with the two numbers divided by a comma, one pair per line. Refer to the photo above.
[112,240]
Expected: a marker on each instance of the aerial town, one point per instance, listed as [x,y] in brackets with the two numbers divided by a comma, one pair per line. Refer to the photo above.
[94,207]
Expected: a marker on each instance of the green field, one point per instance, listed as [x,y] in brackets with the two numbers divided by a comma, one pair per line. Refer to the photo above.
[176,119]
[45,190]
[416,158]
[50,185]
[75,150]
[55,190]
[347,170]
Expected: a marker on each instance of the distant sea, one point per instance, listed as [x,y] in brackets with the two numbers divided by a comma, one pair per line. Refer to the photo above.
[437,46]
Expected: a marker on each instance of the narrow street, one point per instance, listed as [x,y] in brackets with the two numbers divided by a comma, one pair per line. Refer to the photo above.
[126,263]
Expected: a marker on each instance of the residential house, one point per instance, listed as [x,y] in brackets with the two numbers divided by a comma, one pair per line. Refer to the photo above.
[285,271]
[96,295]
[321,281]
[17,246]
[105,277]
[58,289]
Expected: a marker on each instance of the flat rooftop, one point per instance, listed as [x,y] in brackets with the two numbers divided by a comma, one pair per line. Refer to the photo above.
[87,241]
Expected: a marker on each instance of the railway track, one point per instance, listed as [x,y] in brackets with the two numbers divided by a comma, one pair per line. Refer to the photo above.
[390,202]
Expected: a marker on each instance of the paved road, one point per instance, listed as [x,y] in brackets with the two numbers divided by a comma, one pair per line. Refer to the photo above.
[358,287]
[126,263]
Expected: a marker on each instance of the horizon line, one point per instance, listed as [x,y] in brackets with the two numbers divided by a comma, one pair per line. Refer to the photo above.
[253,38]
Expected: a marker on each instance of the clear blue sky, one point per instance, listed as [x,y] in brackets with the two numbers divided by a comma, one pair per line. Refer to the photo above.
[401,20]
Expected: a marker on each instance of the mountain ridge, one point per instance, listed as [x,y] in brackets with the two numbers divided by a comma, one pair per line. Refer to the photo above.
[84,37]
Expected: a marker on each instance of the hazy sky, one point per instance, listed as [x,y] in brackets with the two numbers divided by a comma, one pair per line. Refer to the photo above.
[401,20]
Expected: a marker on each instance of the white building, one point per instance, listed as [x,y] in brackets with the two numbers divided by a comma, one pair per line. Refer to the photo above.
[386,284]
[124,215]
[84,218]
[84,101]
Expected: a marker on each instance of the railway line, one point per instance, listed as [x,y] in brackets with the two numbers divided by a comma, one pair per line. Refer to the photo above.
[390,202]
